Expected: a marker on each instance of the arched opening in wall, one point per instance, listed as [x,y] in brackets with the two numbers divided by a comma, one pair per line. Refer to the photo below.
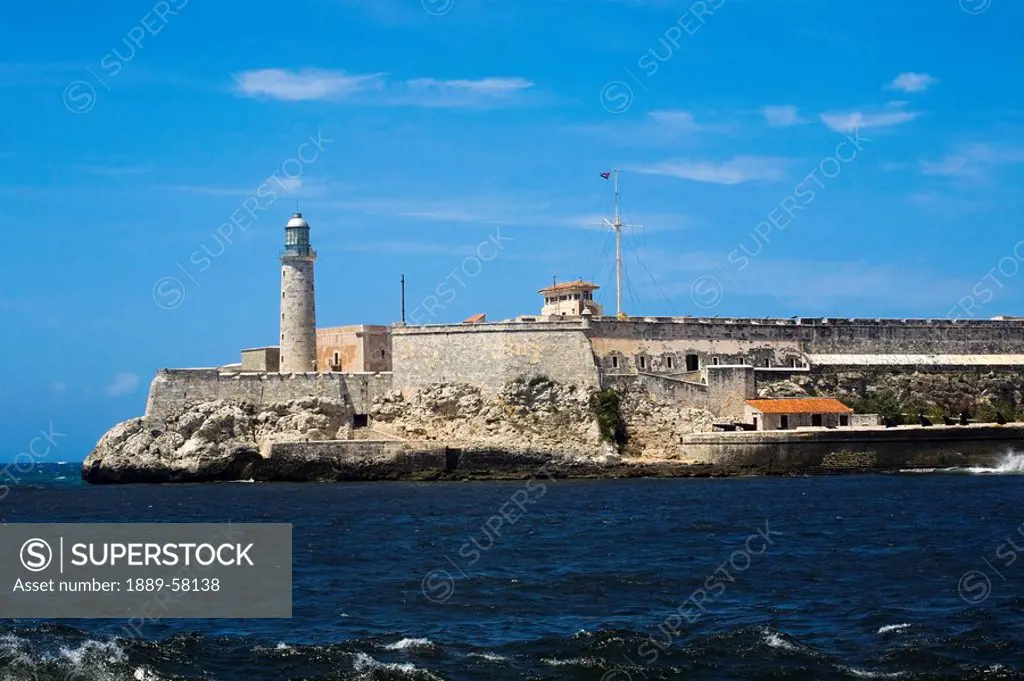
[692,363]
[768,362]
[668,362]
[643,363]
[336,361]
[615,362]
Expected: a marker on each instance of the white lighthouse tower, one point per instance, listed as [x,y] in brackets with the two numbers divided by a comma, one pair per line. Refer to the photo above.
[298,299]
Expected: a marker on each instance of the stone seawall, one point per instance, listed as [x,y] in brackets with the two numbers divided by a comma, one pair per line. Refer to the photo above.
[845,451]
[173,390]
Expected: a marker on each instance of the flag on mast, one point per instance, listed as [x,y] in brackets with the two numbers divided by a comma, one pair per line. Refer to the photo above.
[606,176]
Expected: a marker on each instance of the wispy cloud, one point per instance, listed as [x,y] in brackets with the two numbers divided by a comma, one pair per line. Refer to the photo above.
[912,82]
[782,116]
[847,121]
[736,170]
[431,92]
[813,285]
[304,85]
[123,384]
[973,160]
[375,88]
[292,186]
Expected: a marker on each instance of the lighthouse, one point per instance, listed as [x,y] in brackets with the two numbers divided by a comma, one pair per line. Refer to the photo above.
[298,299]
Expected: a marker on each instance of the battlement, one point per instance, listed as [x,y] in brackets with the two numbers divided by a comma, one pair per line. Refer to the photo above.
[175,389]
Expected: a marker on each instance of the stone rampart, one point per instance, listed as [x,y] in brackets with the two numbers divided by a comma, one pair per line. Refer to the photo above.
[174,389]
[488,356]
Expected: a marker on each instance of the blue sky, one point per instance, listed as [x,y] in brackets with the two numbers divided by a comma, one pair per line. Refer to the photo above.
[782,158]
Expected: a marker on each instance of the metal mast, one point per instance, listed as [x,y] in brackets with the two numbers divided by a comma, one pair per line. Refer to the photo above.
[617,225]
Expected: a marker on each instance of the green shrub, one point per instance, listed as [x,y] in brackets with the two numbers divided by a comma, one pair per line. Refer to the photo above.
[605,406]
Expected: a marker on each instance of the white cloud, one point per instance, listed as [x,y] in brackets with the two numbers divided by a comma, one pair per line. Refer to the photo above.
[304,85]
[123,384]
[848,121]
[734,171]
[973,160]
[679,121]
[912,82]
[431,92]
[332,85]
[782,116]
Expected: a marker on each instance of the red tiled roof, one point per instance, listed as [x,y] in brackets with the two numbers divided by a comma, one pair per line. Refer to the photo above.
[803,405]
[570,286]
[475,319]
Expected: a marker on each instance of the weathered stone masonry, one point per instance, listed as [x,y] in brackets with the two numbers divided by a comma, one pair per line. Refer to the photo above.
[175,389]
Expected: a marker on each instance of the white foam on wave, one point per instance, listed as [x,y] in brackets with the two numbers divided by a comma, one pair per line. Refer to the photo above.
[774,639]
[1011,464]
[893,627]
[573,662]
[865,674]
[365,663]
[411,644]
[91,650]
[143,674]
[490,657]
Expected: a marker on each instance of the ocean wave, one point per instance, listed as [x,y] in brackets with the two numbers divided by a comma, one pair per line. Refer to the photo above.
[1011,464]
[586,662]
[412,644]
[865,674]
[366,664]
[893,627]
[490,657]
[775,639]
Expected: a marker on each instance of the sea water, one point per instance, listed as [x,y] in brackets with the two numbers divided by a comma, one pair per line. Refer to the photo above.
[848,577]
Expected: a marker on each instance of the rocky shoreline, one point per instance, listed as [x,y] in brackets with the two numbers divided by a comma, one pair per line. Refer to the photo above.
[533,427]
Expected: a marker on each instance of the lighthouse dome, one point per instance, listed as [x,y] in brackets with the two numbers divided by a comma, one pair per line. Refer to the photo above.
[297,221]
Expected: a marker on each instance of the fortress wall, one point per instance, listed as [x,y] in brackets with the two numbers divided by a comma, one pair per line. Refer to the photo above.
[827,336]
[674,390]
[174,389]
[729,388]
[783,340]
[487,356]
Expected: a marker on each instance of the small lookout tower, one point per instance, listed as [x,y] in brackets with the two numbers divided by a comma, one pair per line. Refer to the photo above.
[298,299]
[570,299]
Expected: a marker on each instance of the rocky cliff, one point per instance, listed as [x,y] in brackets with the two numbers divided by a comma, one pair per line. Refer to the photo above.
[225,440]
[211,441]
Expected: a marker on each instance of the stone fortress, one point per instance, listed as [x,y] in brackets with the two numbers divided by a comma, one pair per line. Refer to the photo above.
[533,381]
[711,363]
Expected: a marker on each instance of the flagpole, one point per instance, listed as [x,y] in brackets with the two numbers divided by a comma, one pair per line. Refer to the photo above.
[617,225]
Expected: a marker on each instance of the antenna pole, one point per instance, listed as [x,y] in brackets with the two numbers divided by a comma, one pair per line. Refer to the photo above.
[617,225]
[403,298]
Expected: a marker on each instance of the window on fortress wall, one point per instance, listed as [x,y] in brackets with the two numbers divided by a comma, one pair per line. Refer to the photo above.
[768,362]
[668,362]
[816,420]
[715,361]
[784,422]
[643,363]
[692,363]
[615,362]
